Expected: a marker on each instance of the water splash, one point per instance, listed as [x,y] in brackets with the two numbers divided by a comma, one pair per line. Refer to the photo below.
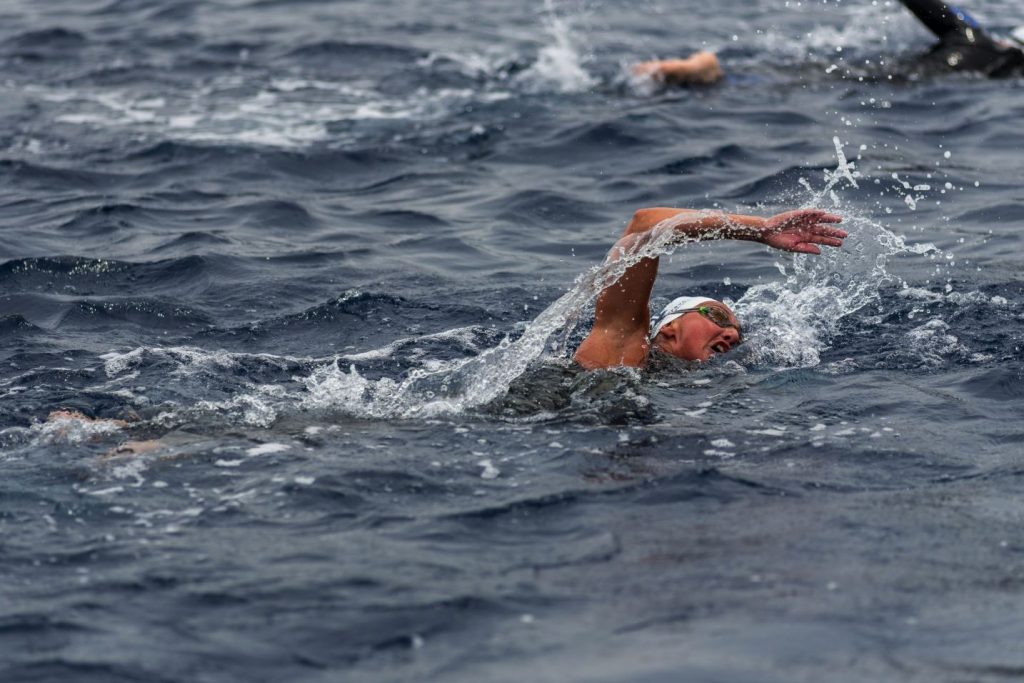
[793,319]
[852,27]
[453,387]
[845,170]
[560,64]
[72,428]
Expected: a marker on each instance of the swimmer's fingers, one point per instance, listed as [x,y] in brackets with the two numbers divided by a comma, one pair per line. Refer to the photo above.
[805,216]
[826,231]
[805,248]
[800,219]
[826,217]
[827,241]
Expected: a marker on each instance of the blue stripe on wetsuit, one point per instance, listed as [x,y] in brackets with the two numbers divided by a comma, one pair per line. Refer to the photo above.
[966,18]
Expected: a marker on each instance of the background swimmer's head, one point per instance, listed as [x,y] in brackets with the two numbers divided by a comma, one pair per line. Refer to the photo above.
[696,328]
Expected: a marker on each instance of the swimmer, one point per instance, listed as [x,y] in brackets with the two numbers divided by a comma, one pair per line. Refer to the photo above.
[72,425]
[963,46]
[700,68]
[693,328]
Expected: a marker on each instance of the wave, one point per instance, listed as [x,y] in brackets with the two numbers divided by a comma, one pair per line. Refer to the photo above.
[16,325]
[97,313]
[194,240]
[48,178]
[50,40]
[103,276]
[336,49]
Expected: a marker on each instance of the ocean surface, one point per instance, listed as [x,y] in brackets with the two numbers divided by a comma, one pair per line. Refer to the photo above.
[334,257]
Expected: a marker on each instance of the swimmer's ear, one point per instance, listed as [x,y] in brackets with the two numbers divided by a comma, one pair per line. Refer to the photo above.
[669,330]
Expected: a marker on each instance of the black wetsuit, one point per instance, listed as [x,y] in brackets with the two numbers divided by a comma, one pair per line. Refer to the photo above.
[963,45]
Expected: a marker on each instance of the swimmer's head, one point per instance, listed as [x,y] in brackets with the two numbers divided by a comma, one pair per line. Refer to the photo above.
[696,328]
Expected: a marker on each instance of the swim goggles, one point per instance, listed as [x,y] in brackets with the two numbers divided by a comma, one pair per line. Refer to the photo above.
[718,317]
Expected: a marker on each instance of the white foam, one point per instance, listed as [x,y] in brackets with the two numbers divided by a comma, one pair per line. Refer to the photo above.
[267,449]
[131,468]
[463,336]
[487,64]
[489,470]
[116,363]
[287,112]
[559,65]
[105,492]
[932,343]
[769,432]
[74,430]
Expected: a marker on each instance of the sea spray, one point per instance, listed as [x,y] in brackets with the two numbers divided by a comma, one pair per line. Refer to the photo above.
[559,65]
[791,321]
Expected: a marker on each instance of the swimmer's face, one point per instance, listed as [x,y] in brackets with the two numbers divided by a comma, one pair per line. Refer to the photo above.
[695,336]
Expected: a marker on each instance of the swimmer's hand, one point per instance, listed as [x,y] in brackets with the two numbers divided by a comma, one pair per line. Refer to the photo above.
[801,231]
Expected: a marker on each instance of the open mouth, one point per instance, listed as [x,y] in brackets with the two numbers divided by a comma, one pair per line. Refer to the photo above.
[719,347]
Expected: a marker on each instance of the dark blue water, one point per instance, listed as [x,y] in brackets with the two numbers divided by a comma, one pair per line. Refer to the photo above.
[334,258]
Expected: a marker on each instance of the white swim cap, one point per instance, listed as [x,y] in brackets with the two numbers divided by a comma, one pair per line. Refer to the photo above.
[675,309]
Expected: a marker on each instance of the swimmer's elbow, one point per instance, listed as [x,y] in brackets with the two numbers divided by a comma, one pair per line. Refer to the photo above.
[645,219]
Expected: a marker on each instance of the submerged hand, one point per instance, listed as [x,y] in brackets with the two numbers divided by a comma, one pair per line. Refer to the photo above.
[802,230]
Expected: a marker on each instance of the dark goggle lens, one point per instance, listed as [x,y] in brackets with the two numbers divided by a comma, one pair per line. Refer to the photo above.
[716,315]
[720,318]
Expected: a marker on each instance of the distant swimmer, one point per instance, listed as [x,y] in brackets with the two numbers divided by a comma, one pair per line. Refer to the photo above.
[963,46]
[700,68]
[693,328]
[73,426]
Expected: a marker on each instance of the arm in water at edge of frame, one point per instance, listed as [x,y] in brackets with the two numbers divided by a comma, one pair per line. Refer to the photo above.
[622,323]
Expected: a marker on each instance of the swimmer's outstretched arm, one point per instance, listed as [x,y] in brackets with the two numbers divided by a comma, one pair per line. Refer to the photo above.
[622,323]
[700,68]
[798,230]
